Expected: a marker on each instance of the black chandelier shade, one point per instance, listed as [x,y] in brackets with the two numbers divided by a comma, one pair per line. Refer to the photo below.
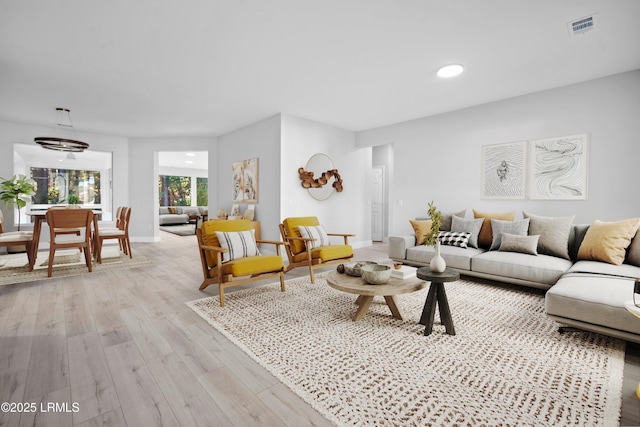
[61,144]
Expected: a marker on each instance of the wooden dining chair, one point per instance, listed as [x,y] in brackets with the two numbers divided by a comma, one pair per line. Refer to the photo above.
[18,238]
[68,219]
[121,232]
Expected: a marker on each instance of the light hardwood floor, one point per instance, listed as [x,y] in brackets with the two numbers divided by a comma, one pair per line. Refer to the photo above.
[124,349]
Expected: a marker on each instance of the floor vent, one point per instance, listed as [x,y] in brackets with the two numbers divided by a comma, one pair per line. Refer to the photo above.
[582,25]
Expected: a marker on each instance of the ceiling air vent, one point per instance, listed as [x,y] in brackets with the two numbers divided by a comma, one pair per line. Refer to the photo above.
[582,25]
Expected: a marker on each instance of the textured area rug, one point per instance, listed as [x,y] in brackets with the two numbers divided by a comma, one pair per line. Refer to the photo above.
[180,229]
[506,365]
[68,262]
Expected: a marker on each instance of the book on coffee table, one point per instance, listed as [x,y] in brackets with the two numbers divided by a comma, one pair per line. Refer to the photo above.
[404,272]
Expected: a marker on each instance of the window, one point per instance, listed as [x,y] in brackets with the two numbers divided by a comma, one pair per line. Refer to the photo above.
[174,190]
[58,175]
[56,186]
[202,188]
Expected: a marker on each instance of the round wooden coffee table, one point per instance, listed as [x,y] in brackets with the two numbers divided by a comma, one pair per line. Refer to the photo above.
[366,292]
[437,294]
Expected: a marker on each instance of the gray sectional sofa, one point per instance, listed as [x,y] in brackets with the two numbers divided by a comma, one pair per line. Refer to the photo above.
[580,292]
[171,215]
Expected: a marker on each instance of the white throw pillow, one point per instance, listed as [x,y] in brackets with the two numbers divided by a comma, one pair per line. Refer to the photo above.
[314,232]
[239,244]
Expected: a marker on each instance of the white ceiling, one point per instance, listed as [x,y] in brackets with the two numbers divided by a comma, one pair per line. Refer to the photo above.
[184,159]
[207,67]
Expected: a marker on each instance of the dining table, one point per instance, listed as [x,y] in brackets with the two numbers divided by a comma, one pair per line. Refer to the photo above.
[39,216]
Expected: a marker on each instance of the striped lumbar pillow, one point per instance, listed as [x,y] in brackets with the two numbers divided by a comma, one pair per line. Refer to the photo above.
[239,244]
[314,232]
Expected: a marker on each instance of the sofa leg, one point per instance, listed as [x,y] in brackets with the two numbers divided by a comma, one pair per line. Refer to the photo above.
[563,329]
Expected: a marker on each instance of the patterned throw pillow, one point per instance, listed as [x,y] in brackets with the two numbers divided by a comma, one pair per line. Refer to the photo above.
[454,238]
[239,244]
[314,232]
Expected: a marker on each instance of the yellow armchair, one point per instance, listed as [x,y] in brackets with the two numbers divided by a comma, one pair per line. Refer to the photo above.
[309,246]
[235,260]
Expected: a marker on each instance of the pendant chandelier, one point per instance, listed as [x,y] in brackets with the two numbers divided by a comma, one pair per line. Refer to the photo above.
[62,144]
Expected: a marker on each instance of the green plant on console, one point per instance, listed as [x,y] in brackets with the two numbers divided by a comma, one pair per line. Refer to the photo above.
[17,191]
[73,199]
[436,222]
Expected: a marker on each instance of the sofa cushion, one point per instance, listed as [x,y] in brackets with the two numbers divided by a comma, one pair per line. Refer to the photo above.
[191,210]
[593,298]
[422,229]
[603,268]
[471,226]
[543,269]
[519,228]
[455,257]
[163,210]
[170,219]
[608,241]
[554,233]
[633,253]
[446,219]
[486,233]
[521,244]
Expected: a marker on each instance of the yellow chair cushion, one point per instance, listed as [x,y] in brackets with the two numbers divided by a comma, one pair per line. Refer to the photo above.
[326,253]
[253,265]
[209,229]
[291,228]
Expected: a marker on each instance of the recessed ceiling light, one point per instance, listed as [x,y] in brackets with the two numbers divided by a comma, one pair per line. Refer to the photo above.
[451,70]
[188,161]
[191,154]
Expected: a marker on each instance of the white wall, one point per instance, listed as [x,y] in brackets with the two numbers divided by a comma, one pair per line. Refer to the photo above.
[143,180]
[345,212]
[261,140]
[438,158]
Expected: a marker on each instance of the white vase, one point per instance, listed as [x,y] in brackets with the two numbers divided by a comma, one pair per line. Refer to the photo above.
[438,264]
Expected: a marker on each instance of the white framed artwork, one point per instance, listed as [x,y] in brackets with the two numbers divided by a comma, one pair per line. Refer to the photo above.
[504,170]
[559,167]
[244,181]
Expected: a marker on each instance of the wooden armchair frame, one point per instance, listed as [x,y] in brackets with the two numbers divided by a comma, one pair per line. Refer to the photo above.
[215,275]
[309,261]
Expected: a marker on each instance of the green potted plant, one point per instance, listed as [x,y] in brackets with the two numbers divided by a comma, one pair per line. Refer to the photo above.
[17,191]
[436,222]
[73,199]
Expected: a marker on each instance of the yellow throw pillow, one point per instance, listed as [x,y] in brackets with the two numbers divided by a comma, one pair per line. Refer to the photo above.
[422,228]
[608,241]
[485,237]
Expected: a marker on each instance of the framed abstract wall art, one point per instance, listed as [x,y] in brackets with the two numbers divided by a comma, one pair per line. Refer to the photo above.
[503,170]
[558,168]
[244,182]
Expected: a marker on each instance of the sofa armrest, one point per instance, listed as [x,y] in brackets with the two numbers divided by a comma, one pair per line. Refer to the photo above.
[398,245]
